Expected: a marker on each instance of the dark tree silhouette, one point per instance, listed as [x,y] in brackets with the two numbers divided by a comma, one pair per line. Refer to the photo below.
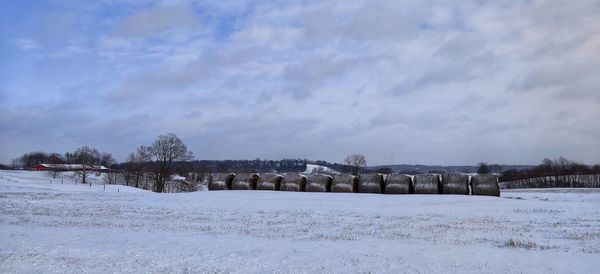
[483,168]
[357,161]
[167,151]
[86,157]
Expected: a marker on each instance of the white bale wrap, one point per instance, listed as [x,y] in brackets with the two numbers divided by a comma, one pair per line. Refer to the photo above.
[318,183]
[269,181]
[371,183]
[293,182]
[220,181]
[244,181]
[427,183]
[485,184]
[398,184]
[344,183]
[455,183]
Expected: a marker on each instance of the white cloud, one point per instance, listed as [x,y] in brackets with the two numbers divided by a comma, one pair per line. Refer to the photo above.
[159,19]
[26,44]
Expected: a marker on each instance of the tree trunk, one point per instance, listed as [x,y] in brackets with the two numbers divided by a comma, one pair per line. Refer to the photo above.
[160,183]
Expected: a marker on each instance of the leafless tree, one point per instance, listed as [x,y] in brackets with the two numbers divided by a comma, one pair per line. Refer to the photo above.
[111,177]
[16,163]
[86,157]
[138,163]
[55,158]
[357,161]
[106,159]
[33,159]
[483,168]
[167,151]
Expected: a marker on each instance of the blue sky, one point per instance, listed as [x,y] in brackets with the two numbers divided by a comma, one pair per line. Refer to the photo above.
[432,82]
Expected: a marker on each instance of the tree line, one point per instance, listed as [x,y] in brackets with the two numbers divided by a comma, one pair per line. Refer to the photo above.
[38,157]
[550,168]
[153,166]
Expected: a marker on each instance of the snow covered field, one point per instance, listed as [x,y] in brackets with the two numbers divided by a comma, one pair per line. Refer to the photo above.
[54,227]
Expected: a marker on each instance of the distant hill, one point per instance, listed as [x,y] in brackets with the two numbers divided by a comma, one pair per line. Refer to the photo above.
[311,168]
[411,169]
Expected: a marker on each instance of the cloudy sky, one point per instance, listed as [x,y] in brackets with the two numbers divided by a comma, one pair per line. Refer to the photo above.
[431,82]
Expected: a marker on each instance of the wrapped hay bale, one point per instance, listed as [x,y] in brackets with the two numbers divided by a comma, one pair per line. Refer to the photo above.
[485,184]
[244,181]
[293,182]
[398,184]
[455,183]
[371,183]
[269,181]
[220,181]
[318,183]
[427,183]
[344,183]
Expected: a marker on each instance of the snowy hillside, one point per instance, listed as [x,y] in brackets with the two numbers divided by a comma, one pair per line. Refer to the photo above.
[49,227]
[64,181]
[310,169]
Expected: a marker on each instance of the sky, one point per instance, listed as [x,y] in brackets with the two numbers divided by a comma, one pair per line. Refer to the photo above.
[401,82]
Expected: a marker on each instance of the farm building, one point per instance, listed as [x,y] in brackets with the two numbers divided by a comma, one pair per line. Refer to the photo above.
[68,167]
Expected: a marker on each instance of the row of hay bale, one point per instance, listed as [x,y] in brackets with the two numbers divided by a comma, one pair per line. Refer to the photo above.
[450,183]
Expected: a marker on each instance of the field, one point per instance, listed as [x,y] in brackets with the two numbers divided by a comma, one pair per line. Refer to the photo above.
[54,227]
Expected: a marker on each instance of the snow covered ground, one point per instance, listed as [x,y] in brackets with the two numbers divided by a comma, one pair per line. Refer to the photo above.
[72,228]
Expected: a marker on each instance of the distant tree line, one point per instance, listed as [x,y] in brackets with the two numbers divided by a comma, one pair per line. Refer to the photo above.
[256,165]
[35,158]
[157,167]
[85,156]
[553,173]
[548,167]
[416,169]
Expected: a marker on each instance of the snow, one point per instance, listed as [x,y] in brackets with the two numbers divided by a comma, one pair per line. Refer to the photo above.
[72,166]
[72,228]
[43,181]
[177,178]
[310,169]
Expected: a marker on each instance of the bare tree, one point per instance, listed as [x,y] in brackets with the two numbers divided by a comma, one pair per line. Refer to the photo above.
[33,158]
[85,156]
[483,168]
[111,177]
[167,151]
[16,163]
[106,159]
[138,163]
[357,161]
[55,158]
